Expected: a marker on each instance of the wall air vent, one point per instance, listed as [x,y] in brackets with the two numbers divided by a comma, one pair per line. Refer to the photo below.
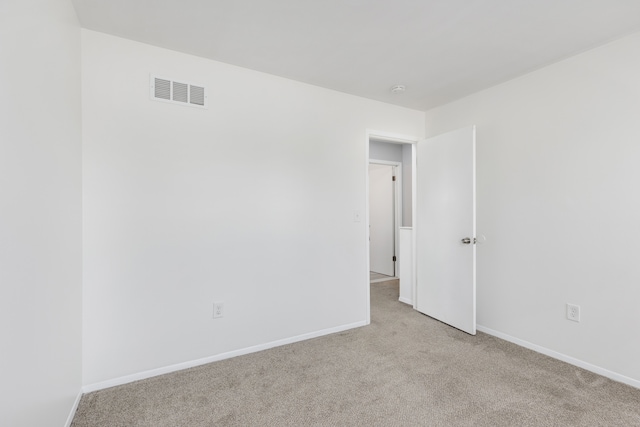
[167,90]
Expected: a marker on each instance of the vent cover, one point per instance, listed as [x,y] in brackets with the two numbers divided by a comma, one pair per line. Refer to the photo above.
[163,89]
[196,95]
[168,90]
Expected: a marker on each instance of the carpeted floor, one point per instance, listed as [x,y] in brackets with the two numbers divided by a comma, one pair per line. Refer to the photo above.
[379,277]
[404,369]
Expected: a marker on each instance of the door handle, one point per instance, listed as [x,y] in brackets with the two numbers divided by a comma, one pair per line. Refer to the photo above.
[467,240]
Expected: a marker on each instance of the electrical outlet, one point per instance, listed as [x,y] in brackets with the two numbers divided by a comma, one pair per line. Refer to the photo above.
[573,312]
[218,309]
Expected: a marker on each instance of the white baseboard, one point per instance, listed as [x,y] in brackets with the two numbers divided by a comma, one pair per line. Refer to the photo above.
[563,357]
[406,301]
[74,408]
[190,364]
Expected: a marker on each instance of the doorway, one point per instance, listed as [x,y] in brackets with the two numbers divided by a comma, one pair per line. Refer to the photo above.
[395,152]
[444,283]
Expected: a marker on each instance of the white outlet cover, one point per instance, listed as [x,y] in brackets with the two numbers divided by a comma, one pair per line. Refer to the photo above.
[573,312]
[218,310]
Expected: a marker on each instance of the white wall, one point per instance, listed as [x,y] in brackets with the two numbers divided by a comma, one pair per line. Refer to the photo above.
[406,261]
[40,212]
[407,185]
[380,150]
[558,199]
[250,202]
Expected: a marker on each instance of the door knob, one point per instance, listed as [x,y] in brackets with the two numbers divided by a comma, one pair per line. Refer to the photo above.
[467,240]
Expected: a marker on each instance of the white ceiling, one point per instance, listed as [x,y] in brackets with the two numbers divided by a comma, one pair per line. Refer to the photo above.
[441,50]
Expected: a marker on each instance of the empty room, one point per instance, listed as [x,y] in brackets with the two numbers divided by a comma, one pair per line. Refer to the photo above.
[187,213]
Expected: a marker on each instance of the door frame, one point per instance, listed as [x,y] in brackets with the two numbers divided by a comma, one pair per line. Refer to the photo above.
[394,138]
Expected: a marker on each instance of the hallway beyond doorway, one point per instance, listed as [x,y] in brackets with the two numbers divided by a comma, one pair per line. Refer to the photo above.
[379,277]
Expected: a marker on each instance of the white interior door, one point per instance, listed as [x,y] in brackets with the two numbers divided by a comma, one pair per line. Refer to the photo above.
[381,219]
[445,229]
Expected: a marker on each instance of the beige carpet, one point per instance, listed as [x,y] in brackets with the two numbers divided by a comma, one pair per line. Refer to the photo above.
[405,369]
[378,277]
